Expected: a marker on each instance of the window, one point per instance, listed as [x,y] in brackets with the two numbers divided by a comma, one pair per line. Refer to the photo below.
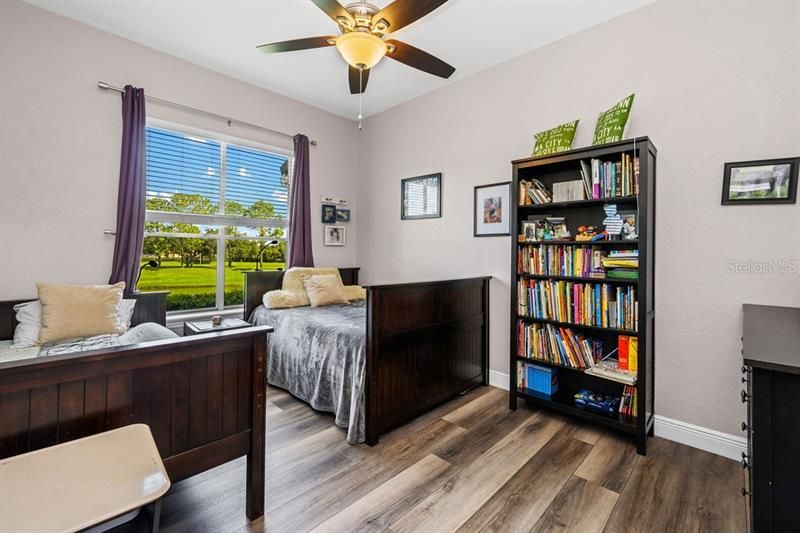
[216,207]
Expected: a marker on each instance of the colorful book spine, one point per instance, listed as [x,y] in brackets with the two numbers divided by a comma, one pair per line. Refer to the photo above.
[589,304]
[559,260]
[622,352]
[628,401]
[633,354]
[614,179]
[557,345]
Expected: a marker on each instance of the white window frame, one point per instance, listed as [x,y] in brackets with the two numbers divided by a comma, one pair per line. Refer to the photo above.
[219,220]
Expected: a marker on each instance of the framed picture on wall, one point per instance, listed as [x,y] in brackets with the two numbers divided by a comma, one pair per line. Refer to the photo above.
[491,210]
[328,214]
[421,197]
[766,181]
[335,236]
[342,215]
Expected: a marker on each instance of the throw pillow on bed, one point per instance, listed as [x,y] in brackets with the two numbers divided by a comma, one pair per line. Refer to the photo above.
[354,292]
[29,321]
[70,311]
[324,290]
[284,299]
[294,277]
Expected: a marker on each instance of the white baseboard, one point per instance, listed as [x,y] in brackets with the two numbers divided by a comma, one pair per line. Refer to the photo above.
[705,439]
[498,379]
[709,440]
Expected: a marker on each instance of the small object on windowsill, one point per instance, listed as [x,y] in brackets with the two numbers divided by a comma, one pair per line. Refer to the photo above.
[216,320]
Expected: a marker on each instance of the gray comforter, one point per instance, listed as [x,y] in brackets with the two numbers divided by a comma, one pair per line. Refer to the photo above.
[318,354]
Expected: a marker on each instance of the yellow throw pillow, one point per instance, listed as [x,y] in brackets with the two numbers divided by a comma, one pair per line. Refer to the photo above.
[324,290]
[354,292]
[284,299]
[294,277]
[70,311]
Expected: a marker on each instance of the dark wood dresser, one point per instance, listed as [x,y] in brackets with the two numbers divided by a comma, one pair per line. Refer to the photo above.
[771,350]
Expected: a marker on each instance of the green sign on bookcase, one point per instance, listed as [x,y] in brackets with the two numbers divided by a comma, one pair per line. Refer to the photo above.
[611,124]
[558,139]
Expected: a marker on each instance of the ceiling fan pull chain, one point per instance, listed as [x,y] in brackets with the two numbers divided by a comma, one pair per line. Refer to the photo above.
[360,94]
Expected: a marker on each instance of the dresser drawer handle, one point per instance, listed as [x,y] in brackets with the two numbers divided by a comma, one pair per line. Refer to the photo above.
[745,396]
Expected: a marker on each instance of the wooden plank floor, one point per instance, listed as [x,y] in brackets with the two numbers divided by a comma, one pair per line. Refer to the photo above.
[469,465]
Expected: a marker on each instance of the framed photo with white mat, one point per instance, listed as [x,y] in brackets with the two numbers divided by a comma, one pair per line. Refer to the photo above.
[492,210]
[335,236]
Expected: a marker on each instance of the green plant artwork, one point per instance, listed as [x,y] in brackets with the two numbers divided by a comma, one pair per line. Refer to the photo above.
[558,139]
[610,125]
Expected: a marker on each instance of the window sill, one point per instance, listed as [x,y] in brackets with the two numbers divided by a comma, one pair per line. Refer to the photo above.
[176,319]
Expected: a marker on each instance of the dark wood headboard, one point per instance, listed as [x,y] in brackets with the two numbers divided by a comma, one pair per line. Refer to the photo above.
[256,283]
[150,307]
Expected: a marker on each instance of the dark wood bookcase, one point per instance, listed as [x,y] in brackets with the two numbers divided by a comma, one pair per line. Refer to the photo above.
[566,166]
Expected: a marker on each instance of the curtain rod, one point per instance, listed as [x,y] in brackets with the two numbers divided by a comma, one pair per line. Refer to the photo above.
[108,87]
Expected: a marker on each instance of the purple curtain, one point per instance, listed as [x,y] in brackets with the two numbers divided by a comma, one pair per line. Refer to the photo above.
[300,253]
[131,194]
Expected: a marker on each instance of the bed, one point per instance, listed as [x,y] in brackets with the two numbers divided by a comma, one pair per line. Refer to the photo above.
[378,363]
[203,397]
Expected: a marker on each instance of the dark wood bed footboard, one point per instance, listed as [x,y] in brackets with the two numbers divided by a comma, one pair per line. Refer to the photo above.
[203,398]
[426,343]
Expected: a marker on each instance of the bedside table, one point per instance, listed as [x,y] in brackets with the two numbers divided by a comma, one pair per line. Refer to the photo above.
[205,326]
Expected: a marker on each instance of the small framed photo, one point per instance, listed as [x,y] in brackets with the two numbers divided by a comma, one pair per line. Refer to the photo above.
[421,197]
[767,181]
[630,220]
[335,235]
[342,215]
[328,214]
[492,210]
[529,231]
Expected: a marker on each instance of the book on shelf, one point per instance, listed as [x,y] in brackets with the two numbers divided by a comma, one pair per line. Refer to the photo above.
[586,175]
[628,401]
[611,179]
[557,345]
[569,191]
[622,353]
[588,304]
[633,354]
[622,273]
[603,404]
[560,260]
[538,378]
[609,369]
[622,264]
[532,192]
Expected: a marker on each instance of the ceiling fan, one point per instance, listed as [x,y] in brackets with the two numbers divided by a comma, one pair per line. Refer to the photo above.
[362,42]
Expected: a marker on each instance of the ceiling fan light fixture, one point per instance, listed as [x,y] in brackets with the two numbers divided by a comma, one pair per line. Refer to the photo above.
[361,49]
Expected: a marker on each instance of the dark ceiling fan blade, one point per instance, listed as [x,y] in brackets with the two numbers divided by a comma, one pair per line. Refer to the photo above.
[358,80]
[298,44]
[419,59]
[335,10]
[401,13]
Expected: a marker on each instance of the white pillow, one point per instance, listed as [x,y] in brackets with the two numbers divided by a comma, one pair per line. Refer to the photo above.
[126,313]
[29,316]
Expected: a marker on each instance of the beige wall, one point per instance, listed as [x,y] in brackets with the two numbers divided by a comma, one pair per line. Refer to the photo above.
[714,82]
[60,142]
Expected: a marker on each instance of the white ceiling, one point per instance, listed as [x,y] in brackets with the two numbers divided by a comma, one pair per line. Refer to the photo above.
[222,35]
